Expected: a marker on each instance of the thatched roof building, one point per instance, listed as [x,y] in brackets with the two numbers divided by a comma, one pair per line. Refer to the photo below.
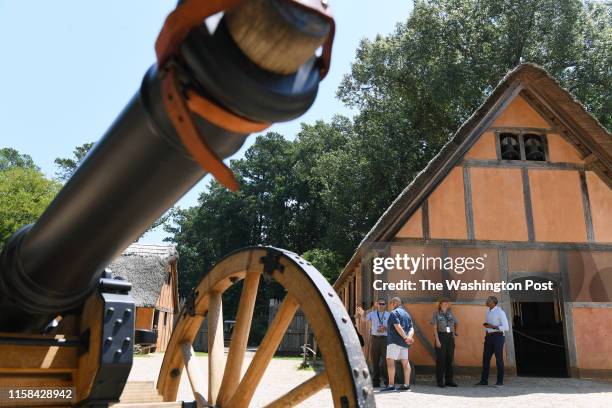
[146,267]
[152,271]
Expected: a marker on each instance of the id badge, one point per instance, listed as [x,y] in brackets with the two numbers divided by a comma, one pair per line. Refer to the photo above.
[448,329]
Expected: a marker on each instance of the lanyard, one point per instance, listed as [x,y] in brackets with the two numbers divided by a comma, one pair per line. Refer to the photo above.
[380,321]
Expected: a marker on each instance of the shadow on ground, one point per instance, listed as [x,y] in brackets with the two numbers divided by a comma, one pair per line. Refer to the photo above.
[513,387]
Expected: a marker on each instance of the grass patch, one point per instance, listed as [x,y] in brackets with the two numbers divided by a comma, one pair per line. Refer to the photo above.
[295,358]
[307,368]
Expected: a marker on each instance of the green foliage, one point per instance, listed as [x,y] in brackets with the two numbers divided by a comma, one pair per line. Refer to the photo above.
[326,261]
[24,194]
[11,158]
[67,166]
[279,203]
[437,67]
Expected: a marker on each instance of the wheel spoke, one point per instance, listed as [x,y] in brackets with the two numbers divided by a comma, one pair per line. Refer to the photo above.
[244,393]
[194,372]
[240,337]
[302,391]
[215,346]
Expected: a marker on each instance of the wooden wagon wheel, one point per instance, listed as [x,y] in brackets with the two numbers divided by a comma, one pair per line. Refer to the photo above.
[346,371]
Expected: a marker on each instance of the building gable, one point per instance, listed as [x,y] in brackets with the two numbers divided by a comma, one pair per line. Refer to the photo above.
[519,113]
[485,198]
[496,200]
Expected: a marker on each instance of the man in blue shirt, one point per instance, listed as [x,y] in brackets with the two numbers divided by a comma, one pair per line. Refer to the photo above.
[399,338]
[496,324]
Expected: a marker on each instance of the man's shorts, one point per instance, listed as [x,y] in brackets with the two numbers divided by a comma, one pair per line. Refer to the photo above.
[395,352]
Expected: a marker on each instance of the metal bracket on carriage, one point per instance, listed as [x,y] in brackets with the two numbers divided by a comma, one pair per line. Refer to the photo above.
[271,263]
[112,310]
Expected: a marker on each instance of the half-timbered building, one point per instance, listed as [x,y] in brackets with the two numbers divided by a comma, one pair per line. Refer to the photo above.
[525,182]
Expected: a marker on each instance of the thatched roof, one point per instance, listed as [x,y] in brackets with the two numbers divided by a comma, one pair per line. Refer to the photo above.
[575,124]
[146,267]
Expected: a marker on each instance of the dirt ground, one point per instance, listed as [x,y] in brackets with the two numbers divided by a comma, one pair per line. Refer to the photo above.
[282,375]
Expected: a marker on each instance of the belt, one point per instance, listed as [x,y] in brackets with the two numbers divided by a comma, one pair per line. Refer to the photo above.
[495,332]
[443,332]
[379,335]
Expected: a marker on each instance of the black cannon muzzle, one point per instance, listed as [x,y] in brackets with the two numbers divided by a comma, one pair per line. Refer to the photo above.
[135,173]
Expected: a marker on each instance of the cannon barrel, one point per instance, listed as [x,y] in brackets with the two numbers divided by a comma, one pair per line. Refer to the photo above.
[140,167]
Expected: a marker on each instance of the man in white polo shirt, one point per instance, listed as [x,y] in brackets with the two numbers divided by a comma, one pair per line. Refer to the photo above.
[496,323]
[378,343]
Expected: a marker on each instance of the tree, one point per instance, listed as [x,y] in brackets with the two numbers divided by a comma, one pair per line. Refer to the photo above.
[278,204]
[67,166]
[24,195]
[326,261]
[437,67]
[11,158]
[222,222]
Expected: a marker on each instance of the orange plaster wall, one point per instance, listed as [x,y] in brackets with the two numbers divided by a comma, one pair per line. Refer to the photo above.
[590,279]
[413,227]
[498,204]
[520,113]
[447,208]
[560,150]
[600,198]
[593,337]
[556,200]
[469,343]
[490,273]
[484,148]
[396,275]
[533,260]
[421,314]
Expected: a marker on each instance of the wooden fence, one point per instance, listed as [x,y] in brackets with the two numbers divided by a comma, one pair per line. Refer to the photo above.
[291,344]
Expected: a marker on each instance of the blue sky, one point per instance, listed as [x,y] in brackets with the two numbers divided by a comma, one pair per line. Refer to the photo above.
[69,67]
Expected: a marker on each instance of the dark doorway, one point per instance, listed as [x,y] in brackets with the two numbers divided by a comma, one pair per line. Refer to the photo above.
[538,339]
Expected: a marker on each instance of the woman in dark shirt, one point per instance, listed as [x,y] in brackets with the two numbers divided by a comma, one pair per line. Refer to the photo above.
[445,329]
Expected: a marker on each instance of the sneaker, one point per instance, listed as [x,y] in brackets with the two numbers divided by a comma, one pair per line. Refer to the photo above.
[388,388]
[481,383]
[441,385]
[451,384]
[498,385]
[404,387]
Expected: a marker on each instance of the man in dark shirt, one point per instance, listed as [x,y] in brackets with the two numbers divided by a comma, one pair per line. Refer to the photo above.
[399,338]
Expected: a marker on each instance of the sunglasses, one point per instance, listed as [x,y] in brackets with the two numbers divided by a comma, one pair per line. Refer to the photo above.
[381,303]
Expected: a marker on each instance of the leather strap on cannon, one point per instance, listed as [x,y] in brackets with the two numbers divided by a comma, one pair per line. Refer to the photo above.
[181,103]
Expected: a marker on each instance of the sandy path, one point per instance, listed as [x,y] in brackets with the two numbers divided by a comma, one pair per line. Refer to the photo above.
[282,375]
